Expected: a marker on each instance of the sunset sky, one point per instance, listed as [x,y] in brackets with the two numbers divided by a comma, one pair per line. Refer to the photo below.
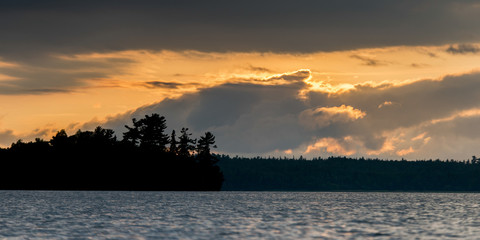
[387,79]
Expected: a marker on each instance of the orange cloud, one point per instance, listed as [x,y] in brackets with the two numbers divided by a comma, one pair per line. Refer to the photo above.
[4,64]
[324,116]
[330,145]
[288,151]
[461,114]
[386,103]
[127,80]
[404,152]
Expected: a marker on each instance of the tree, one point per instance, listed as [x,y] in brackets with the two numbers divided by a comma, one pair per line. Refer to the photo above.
[152,132]
[95,160]
[102,136]
[132,135]
[173,143]
[60,140]
[210,176]
[186,144]
[203,148]
[148,133]
[204,144]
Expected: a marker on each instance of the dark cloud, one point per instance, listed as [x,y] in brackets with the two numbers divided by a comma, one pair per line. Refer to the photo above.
[256,119]
[47,90]
[258,69]
[53,74]
[419,65]
[34,32]
[369,61]
[32,29]
[160,84]
[297,76]
[463,49]
[249,114]
[460,127]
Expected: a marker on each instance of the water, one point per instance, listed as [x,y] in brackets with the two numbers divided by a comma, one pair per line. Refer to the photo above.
[238,215]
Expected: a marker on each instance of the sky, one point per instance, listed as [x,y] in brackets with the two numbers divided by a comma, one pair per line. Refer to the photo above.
[373,78]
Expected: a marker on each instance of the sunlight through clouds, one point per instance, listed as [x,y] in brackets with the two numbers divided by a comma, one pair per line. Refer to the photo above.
[324,116]
[325,94]
[330,146]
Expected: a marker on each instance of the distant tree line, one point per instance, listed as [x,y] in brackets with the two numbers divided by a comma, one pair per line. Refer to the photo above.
[145,159]
[348,174]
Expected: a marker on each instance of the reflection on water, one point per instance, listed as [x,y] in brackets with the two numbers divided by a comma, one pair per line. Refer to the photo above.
[238,215]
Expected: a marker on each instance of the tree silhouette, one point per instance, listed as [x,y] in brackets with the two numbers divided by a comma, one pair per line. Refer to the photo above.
[204,143]
[173,143]
[132,135]
[211,173]
[60,140]
[148,132]
[203,148]
[186,144]
[104,137]
[95,160]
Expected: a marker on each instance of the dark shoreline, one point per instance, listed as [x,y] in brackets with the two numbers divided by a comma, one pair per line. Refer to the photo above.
[348,174]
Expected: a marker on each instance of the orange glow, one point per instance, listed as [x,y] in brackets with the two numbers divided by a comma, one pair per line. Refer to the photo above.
[324,116]
[124,85]
[404,152]
[329,145]
[461,114]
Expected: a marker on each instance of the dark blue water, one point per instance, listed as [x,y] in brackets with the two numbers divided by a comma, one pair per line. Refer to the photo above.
[237,215]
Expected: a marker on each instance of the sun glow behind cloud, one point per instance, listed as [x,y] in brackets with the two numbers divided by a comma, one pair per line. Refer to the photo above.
[125,80]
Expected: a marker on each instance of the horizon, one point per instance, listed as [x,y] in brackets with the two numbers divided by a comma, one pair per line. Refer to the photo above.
[375,79]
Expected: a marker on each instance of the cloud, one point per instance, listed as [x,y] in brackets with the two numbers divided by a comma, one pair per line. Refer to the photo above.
[463,126]
[463,49]
[295,76]
[57,74]
[404,152]
[387,104]
[160,84]
[259,69]
[251,118]
[8,136]
[419,65]
[332,146]
[369,61]
[252,114]
[34,30]
[324,116]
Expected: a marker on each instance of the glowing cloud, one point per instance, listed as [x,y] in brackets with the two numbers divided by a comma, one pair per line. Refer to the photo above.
[404,152]
[386,103]
[324,116]
[330,146]
[461,114]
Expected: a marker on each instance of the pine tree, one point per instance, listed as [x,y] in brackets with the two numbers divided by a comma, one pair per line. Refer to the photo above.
[203,148]
[132,135]
[148,133]
[186,143]
[173,143]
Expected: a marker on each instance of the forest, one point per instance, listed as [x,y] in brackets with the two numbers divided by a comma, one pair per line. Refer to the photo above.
[348,174]
[145,159]
[149,159]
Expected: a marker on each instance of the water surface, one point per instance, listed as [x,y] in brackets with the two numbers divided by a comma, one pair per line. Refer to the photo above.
[238,215]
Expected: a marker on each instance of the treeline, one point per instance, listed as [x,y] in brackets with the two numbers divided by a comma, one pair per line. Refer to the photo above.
[145,159]
[346,174]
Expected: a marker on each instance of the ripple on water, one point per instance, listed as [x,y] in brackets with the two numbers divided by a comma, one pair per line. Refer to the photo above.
[237,215]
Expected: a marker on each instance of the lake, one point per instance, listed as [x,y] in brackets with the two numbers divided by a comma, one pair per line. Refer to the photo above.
[237,215]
